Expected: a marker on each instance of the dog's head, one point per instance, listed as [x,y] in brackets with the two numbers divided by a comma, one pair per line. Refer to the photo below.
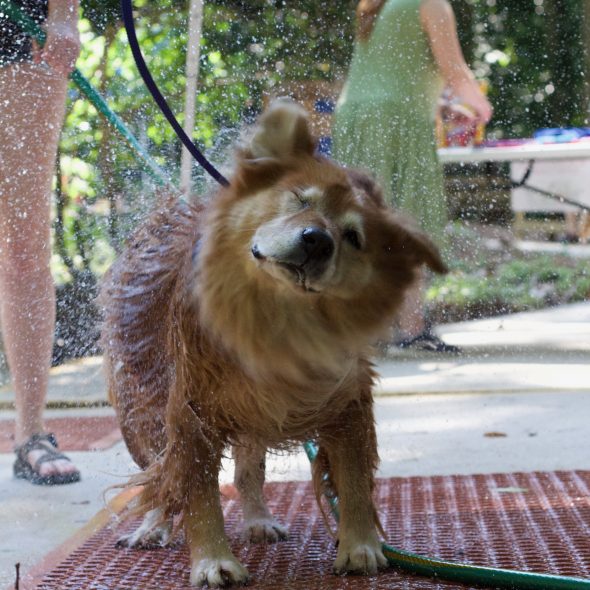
[307,238]
[320,228]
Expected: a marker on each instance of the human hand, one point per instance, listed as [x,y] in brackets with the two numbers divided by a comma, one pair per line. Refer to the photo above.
[469,94]
[61,49]
[457,113]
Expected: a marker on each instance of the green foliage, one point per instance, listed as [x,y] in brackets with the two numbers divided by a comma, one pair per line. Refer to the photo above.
[246,47]
[102,14]
[279,39]
[532,53]
[518,284]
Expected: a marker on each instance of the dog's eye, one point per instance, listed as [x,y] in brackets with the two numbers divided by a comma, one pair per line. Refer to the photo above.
[353,238]
[304,201]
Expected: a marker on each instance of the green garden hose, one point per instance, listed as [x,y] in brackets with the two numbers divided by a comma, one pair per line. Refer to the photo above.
[30,27]
[466,574]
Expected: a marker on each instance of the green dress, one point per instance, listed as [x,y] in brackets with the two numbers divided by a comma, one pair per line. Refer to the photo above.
[384,119]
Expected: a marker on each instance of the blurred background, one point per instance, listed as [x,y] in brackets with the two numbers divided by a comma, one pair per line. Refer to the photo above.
[532,56]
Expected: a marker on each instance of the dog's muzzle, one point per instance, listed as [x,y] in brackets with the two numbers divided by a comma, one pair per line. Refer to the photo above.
[306,257]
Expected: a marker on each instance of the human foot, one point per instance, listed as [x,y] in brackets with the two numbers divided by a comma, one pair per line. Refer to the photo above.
[39,461]
[427,341]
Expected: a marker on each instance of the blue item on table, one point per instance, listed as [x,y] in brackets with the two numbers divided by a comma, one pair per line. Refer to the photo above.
[561,134]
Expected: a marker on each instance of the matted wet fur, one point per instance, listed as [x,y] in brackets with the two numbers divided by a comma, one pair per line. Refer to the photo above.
[248,322]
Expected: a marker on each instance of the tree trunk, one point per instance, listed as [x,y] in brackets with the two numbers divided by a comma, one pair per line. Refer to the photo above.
[195,23]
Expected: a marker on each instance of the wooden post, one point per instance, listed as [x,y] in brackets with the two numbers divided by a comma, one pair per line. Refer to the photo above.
[195,23]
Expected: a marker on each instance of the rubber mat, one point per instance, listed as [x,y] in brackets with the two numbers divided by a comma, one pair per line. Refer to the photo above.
[76,433]
[533,522]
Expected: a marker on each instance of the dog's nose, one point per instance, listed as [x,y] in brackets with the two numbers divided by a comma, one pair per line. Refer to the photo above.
[317,243]
[256,252]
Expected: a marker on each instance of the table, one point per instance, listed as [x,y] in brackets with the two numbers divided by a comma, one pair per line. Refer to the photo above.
[563,173]
[529,150]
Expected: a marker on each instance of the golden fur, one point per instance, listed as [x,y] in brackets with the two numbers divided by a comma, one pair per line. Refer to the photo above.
[248,322]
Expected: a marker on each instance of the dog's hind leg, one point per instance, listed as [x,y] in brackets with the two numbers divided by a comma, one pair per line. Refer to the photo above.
[259,524]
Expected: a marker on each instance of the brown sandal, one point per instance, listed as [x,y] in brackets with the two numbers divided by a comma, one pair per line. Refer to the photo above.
[25,470]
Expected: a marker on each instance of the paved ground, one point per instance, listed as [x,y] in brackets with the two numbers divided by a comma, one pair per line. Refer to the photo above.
[518,399]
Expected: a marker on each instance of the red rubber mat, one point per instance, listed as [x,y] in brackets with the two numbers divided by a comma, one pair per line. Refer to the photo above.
[534,522]
[76,433]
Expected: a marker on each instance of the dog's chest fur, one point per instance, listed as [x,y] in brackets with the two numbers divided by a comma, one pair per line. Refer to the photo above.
[281,413]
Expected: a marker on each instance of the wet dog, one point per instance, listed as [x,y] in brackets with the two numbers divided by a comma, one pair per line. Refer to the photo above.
[247,322]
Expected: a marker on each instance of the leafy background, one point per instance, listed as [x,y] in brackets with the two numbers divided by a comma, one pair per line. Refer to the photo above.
[533,53]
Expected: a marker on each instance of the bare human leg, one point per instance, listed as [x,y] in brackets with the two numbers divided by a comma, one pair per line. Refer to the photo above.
[414,332]
[411,317]
[32,112]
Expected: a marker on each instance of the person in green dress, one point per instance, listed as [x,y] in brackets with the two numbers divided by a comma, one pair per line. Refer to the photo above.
[406,52]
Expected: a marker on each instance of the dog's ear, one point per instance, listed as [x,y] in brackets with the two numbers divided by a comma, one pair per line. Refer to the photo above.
[281,132]
[406,244]
[367,185]
[420,248]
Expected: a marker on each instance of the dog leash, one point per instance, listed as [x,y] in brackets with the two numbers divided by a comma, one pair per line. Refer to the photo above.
[127,12]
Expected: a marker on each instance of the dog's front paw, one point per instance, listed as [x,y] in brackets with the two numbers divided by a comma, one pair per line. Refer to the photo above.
[217,572]
[359,558]
[264,530]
